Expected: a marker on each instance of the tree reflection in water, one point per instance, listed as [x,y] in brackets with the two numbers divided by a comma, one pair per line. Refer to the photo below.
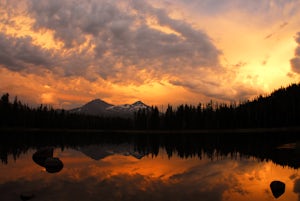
[262,145]
[119,164]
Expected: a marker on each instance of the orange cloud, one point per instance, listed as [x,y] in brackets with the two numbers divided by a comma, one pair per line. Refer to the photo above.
[121,52]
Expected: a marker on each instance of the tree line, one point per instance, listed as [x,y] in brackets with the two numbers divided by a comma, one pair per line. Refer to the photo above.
[18,115]
[215,145]
[279,109]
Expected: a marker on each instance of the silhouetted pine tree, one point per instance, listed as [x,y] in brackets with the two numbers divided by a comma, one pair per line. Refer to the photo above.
[280,109]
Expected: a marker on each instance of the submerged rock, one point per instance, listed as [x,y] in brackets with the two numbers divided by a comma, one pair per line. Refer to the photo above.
[277,188]
[26,196]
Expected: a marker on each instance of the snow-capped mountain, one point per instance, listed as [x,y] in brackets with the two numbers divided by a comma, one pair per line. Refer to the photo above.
[128,107]
[101,108]
[94,107]
[98,152]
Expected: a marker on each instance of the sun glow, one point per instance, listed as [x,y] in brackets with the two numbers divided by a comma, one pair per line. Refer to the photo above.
[192,53]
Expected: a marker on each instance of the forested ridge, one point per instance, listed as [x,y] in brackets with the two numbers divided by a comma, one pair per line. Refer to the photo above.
[279,109]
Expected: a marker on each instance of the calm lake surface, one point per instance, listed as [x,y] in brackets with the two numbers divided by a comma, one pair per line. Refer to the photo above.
[148,167]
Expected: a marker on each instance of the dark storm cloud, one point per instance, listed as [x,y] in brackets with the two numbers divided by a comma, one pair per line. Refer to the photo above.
[120,35]
[191,43]
[19,53]
[295,62]
[218,90]
[71,19]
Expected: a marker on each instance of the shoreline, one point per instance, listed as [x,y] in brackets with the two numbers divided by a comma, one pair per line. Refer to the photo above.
[204,131]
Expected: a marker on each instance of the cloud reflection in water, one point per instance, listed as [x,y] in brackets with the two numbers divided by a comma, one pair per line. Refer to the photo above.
[124,177]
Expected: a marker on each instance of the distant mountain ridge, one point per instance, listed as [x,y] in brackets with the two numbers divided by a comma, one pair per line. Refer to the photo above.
[94,107]
[99,107]
[98,152]
[280,109]
[128,107]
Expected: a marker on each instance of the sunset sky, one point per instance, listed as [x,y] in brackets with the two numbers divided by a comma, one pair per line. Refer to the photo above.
[68,52]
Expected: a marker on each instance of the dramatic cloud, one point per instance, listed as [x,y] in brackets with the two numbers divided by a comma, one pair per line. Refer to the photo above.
[295,62]
[125,39]
[19,53]
[202,49]
[265,9]
[221,85]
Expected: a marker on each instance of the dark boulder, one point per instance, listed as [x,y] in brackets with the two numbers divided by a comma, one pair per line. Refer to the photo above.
[53,165]
[40,156]
[277,188]
[44,157]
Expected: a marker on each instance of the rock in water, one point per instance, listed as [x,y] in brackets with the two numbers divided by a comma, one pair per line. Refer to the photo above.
[277,188]
[26,196]
[40,156]
[53,165]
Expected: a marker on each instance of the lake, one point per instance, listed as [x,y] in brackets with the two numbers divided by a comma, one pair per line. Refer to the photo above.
[148,166]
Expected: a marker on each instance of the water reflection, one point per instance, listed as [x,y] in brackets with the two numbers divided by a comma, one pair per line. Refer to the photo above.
[265,146]
[100,152]
[44,157]
[150,169]
[26,196]
[124,177]
[277,188]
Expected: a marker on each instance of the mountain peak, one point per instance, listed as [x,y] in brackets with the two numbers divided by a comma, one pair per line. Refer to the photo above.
[94,107]
[100,107]
[127,109]
[98,101]
[138,103]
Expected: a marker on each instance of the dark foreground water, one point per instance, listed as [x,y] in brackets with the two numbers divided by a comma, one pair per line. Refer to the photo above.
[91,166]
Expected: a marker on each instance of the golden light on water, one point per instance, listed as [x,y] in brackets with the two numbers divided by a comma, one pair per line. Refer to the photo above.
[233,179]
